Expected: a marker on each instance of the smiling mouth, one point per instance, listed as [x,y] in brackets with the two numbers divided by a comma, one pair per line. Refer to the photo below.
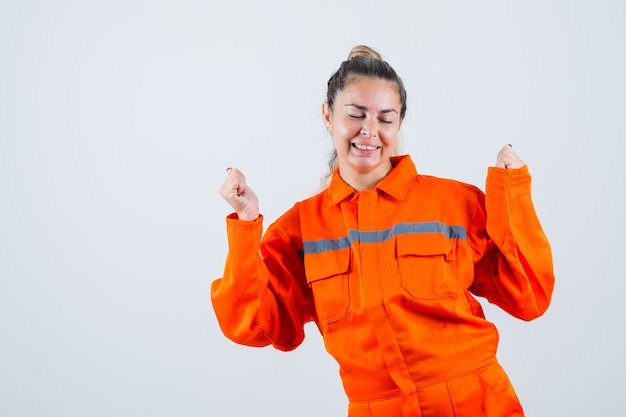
[365,147]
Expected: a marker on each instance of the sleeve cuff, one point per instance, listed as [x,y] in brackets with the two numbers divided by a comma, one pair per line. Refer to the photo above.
[515,181]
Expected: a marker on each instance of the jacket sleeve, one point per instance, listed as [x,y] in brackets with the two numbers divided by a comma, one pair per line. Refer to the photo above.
[263,297]
[515,269]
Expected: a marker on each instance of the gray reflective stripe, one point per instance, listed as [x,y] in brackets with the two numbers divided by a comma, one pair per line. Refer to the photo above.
[377,236]
[451,232]
[325,245]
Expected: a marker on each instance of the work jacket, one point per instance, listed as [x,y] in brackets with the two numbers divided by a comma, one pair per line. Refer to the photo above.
[389,276]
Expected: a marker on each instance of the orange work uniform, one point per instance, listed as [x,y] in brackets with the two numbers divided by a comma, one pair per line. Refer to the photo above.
[388,276]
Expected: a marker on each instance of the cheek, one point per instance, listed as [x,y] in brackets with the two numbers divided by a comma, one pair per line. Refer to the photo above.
[389,136]
[346,131]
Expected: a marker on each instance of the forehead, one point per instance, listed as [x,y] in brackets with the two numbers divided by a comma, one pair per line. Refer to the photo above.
[370,92]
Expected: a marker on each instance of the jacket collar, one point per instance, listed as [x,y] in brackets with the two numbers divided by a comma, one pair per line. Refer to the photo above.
[395,184]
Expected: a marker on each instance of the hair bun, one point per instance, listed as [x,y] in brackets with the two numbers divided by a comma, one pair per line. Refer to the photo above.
[364,51]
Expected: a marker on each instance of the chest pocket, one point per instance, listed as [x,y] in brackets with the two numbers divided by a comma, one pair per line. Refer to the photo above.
[327,274]
[427,266]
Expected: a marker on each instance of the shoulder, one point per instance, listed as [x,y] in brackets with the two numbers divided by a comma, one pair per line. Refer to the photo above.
[290,220]
[316,200]
[448,187]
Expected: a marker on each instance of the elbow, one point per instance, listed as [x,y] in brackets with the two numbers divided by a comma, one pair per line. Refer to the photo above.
[253,335]
[529,314]
[247,324]
[246,338]
[237,330]
[537,304]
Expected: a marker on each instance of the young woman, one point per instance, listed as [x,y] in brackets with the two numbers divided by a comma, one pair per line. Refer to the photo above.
[387,262]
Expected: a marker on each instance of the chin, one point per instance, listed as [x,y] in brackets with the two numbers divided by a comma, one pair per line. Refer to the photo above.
[367,166]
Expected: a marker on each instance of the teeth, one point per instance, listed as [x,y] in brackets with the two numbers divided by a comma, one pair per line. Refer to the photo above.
[365,147]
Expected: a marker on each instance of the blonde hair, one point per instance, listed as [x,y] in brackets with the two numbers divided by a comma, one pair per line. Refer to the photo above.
[366,51]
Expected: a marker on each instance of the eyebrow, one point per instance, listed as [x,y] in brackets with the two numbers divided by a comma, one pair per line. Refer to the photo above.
[364,108]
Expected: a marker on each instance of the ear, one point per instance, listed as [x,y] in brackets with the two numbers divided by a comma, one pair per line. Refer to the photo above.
[327,116]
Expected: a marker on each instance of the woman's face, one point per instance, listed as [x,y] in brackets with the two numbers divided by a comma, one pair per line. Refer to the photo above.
[364,123]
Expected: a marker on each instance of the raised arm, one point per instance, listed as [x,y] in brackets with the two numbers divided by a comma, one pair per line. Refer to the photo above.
[263,297]
[516,270]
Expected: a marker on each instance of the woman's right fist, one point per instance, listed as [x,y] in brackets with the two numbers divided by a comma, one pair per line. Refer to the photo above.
[241,197]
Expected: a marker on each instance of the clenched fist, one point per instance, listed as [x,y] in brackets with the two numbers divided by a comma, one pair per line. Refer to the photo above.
[507,158]
[241,197]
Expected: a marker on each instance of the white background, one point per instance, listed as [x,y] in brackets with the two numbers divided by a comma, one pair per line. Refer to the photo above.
[119,118]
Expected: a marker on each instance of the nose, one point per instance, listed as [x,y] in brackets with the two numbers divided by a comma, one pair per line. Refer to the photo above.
[369,128]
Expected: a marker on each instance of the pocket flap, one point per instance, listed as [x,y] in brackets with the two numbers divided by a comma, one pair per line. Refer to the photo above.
[429,244]
[323,265]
